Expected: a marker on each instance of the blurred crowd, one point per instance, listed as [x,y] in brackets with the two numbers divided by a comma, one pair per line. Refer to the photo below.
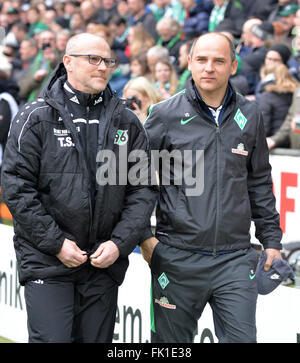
[151,41]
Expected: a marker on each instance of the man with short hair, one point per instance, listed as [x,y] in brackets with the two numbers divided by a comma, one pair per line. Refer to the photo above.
[75,225]
[254,59]
[140,14]
[28,51]
[156,53]
[201,252]
[38,73]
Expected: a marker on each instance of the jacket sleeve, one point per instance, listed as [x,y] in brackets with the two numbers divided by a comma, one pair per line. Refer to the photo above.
[156,131]
[5,117]
[139,201]
[20,181]
[260,189]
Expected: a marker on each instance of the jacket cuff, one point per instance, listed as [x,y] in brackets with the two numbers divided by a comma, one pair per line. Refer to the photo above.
[147,234]
[272,244]
[119,243]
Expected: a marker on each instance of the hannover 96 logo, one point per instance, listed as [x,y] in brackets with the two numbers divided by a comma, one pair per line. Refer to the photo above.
[121,137]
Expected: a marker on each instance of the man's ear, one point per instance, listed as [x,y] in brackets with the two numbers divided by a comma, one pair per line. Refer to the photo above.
[67,62]
[234,67]
[189,62]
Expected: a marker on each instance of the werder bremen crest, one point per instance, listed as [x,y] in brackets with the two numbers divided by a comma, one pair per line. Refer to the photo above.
[240,119]
[121,137]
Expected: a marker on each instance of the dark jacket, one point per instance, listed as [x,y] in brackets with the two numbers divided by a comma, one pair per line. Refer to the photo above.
[46,185]
[285,134]
[236,175]
[197,19]
[148,21]
[261,9]
[251,65]
[235,15]
[274,104]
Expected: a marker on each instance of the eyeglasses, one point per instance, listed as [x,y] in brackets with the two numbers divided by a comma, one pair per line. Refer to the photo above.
[97,59]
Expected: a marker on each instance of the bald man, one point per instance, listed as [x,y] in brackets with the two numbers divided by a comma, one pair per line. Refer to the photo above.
[74,227]
[202,251]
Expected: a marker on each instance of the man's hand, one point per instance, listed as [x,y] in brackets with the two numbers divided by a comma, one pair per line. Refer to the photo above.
[271,253]
[271,143]
[105,255]
[71,255]
[147,248]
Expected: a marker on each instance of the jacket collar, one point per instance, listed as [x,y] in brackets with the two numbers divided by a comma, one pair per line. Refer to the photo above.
[82,98]
[58,78]
[194,96]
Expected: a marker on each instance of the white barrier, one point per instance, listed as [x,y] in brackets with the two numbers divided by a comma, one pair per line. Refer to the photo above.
[278,314]
[286,180]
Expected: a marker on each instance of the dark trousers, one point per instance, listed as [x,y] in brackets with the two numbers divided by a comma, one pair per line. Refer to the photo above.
[80,308]
[184,282]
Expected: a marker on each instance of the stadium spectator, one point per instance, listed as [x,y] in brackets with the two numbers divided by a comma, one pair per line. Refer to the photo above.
[165,78]
[61,40]
[12,16]
[28,51]
[254,59]
[49,16]
[197,17]
[158,8]
[8,87]
[276,96]
[138,40]
[294,62]
[8,103]
[59,23]
[287,19]
[141,14]
[184,72]
[262,9]
[35,20]
[276,55]
[107,10]
[140,95]
[40,70]
[139,66]
[18,31]
[155,53]
[246,43]
[170,37]
[88,11]
[238,81]
[176,11]
[12,55]
[123,10]
[69,8]
[77,23]
[288,133]
[228,14]
[119,28]
[278,7]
